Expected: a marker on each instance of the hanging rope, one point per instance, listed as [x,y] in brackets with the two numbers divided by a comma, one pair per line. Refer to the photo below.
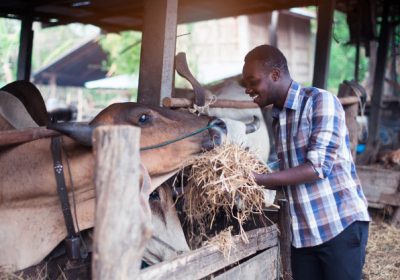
[198,110]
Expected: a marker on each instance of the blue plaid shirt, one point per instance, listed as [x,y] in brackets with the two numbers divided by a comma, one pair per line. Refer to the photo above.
[311,128]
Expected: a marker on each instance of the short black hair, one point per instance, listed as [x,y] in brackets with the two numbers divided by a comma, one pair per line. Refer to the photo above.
[269,56]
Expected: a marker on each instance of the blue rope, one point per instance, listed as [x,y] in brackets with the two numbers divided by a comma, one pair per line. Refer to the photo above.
[162,144]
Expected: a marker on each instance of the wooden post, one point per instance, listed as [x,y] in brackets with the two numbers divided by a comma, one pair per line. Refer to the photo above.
[25,49]
[376,100]
[273,26]
[351,112]
[285,238]
[121,229]
[158,51]
[323,45]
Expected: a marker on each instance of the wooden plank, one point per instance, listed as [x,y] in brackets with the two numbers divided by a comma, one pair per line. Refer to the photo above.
[379,185]
[390,199]
[122,216]
[376,205]
[25,49]
[263,266]
[158,51]
[323,43]
[208,259]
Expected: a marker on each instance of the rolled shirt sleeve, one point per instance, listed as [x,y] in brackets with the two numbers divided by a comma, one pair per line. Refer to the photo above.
[327,121]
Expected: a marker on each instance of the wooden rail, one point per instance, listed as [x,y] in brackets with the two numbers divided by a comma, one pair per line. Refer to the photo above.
[19,136]
[208,259]
[174,102]
[171,102]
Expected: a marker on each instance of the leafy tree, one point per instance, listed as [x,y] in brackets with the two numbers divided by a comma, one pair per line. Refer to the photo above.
[9,43]
[123,51]
[343,55]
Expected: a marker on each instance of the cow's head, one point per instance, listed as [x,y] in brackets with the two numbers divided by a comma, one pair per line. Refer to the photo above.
[158,125]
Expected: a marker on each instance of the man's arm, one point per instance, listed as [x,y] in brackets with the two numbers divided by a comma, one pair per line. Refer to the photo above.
[301,174]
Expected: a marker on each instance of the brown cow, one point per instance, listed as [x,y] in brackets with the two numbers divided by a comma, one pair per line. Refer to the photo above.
[30,218]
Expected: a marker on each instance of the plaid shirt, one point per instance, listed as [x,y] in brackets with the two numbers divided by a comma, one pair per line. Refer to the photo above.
[311,128]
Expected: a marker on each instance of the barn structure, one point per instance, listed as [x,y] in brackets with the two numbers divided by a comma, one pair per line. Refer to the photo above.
[157,19]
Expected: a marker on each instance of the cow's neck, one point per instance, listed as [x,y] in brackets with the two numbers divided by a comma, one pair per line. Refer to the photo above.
[27,171]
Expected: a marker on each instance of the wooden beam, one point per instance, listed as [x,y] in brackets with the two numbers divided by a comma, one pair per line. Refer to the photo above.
[25,49]
[323,43]
[158,51]
[202,262]
[122,216]
[19,136]
[376,100]
[171,102]
[273,27]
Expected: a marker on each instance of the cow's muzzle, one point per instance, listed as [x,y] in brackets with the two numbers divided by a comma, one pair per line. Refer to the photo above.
[218,131]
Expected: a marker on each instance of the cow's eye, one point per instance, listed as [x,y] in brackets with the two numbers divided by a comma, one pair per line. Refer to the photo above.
[144,118]
[155,196]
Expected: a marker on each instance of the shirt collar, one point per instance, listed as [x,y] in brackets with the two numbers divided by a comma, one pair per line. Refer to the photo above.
[292,98]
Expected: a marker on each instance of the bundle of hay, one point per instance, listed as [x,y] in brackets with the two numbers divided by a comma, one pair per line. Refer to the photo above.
[221,179]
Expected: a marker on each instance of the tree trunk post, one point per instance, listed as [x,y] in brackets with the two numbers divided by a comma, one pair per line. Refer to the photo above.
[121,222]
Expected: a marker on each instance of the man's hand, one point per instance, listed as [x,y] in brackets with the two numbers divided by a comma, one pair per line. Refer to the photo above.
[257,177]
[262,180]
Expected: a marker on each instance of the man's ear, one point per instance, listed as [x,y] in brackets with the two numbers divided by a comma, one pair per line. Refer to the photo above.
[275,74]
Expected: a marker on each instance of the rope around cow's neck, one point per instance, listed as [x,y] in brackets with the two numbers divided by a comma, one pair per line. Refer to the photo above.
[165,143]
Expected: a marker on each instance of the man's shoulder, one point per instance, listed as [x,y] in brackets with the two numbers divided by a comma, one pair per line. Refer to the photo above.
[316,93]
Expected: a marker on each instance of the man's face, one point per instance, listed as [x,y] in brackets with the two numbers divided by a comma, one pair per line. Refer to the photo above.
[259,84]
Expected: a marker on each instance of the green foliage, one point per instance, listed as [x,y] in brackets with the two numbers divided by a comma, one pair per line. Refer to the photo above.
[9,44]
[342,58]
[123,51]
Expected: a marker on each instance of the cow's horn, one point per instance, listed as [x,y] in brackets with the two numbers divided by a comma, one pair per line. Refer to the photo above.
[81,132]
[253,126]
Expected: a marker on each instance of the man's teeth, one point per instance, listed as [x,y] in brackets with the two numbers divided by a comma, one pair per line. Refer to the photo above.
[254,96]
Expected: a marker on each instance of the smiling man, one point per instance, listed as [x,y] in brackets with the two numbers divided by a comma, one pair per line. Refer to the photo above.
[329,216]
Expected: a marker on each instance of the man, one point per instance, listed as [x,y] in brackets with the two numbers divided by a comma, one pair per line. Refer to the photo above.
[328,209]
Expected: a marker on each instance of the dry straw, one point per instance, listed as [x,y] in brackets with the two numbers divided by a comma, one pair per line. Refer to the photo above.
[223,241]
[383,253]
[219,180]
